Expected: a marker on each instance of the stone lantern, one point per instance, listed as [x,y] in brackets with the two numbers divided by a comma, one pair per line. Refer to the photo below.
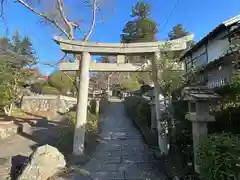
[199,100]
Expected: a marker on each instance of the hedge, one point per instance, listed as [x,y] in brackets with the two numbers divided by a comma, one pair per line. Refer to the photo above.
[139,111]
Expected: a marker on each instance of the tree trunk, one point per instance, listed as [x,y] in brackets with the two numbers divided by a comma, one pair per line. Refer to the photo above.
[8,110]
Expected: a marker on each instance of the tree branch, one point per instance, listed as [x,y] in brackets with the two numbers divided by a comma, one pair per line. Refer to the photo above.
[68,23]
[94,13]
[45,17]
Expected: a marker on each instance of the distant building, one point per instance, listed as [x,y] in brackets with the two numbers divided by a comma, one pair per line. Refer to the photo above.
[214,53]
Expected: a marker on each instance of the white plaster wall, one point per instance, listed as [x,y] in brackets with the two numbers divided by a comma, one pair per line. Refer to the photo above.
[199,57]
[217,47]
[220,75]
[199,52]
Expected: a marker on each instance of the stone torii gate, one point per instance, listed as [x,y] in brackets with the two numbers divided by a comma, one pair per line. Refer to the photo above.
[86,49]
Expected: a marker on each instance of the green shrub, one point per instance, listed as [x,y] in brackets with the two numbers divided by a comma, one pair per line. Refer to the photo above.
[227,120]
[49,90]
[139,111]
[183,132]
[144,112]
[92,108]
[71,117]
[65,140]
[131,104]
[37,87]
[218,157]
[65,136]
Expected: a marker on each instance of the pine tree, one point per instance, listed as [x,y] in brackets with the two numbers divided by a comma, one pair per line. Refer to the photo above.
[177,32]
[142,28]
[23,47]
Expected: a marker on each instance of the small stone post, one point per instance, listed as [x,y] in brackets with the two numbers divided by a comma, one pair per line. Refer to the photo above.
[201,98]
[79,133]
[97,106]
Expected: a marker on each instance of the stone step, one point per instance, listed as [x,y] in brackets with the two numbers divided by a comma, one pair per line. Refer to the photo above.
[8,129]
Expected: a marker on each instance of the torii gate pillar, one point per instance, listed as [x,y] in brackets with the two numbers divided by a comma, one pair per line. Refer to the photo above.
[79,133]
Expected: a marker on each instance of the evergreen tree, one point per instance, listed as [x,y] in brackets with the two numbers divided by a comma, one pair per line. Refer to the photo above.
[142,28]
[177,32]
[23,47]
[141,10]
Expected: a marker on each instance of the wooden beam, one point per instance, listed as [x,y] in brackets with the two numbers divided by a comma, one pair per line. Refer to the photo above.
[104,67]
[74,46]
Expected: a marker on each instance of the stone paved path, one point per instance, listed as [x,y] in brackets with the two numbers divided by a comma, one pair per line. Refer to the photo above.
[122,154]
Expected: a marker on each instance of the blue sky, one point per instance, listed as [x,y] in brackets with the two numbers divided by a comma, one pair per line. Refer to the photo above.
[198,17]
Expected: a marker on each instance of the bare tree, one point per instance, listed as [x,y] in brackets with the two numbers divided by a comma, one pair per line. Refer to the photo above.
[59,14]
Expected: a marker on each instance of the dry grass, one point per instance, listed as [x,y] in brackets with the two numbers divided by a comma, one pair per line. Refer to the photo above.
[65,171]
[18,113]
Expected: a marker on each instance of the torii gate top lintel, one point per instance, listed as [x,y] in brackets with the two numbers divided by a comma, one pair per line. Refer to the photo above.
[117,49]
[99,48]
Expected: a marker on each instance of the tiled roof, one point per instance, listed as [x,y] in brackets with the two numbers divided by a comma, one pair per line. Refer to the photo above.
[198,93]
[212,34]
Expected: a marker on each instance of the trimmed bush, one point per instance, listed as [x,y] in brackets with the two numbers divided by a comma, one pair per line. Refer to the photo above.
[131,104]
[183,133]
[218,157]
[227,120]
[139,111]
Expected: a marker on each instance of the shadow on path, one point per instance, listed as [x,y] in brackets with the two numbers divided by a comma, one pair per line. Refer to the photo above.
[122,153]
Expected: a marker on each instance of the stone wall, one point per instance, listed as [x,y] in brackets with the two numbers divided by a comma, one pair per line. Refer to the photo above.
[54,103]
[47,103]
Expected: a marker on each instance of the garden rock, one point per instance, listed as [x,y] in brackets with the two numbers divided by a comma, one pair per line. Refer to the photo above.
[44,163]
[63,110]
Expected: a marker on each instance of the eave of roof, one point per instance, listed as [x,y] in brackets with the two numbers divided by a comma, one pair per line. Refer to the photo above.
[212,34]
[217,61]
